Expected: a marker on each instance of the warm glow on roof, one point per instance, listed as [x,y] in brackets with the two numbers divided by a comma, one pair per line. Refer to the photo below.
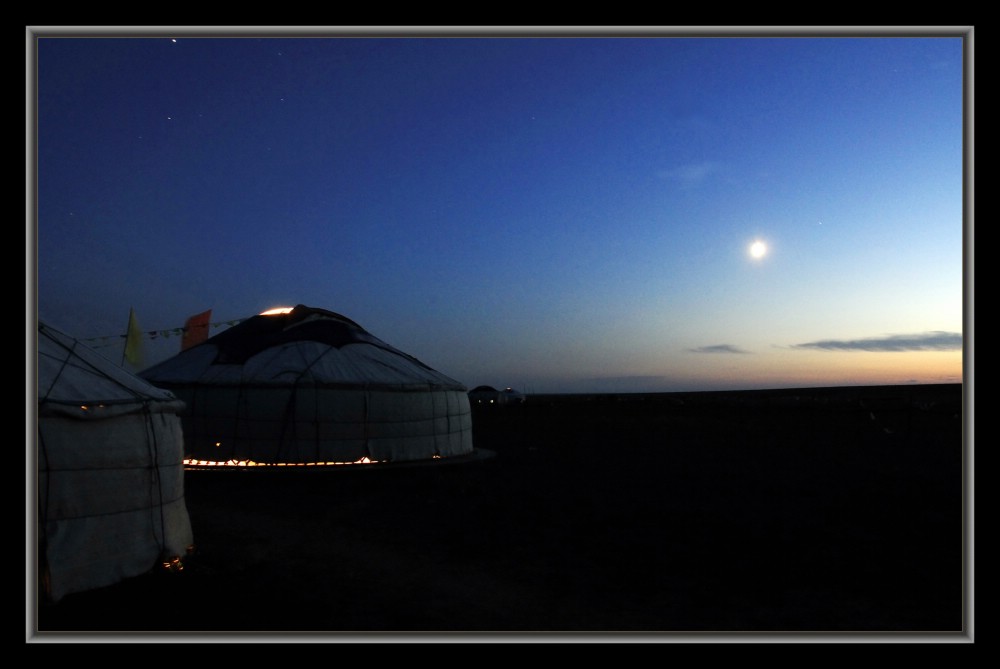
[276,310]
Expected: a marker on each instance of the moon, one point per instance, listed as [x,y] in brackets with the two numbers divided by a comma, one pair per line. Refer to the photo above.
[758,249]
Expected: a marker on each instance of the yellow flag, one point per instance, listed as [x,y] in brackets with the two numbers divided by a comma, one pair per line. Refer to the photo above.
[133,341]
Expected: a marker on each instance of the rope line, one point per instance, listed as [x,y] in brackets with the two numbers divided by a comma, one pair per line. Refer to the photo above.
[165,333]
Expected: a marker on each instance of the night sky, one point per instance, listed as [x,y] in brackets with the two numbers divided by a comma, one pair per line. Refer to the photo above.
[556,214]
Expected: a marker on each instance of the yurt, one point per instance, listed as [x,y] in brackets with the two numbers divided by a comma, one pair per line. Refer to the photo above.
[310,387]
[110,473]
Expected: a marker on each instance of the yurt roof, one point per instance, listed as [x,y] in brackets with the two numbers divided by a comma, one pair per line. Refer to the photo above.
[72,374]
[304,345]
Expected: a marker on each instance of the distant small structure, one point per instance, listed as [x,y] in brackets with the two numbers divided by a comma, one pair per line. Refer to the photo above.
[481,395]
[512,396]
[490,396]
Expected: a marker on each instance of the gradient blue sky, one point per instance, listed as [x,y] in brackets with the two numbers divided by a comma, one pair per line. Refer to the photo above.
[557,214]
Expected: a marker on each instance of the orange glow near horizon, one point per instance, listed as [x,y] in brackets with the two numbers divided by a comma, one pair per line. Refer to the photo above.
[801,368]
[275,311]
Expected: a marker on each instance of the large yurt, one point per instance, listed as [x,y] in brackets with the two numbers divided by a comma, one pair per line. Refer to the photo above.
[110,473]
[307,386]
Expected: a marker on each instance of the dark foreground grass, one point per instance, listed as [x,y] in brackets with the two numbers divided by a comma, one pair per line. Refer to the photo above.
[798,512]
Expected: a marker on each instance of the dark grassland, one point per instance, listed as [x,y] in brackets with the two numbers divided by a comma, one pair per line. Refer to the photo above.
[786,511]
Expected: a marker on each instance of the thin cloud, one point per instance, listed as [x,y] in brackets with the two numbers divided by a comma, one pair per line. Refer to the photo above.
[718,348]
[927,341]
[690,176]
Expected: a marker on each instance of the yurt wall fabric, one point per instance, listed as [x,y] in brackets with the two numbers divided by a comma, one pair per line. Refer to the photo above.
[110,470]
[312,386]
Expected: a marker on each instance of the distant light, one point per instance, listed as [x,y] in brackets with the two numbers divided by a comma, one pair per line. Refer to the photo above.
[758,249]
[276,310]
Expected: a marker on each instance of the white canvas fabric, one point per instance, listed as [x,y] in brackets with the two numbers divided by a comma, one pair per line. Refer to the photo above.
[110,470]
[312,386]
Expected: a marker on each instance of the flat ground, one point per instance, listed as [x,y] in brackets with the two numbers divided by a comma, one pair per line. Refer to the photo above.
[789,512]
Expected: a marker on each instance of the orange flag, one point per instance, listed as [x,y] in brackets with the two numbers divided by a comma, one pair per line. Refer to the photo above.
[133,341]
[195,330]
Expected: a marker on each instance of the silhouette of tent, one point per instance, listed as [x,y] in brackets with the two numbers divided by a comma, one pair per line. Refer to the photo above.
[110,470]
[312,386]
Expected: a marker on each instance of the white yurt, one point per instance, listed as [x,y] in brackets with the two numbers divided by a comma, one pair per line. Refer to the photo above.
[110,473]
[307,386]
